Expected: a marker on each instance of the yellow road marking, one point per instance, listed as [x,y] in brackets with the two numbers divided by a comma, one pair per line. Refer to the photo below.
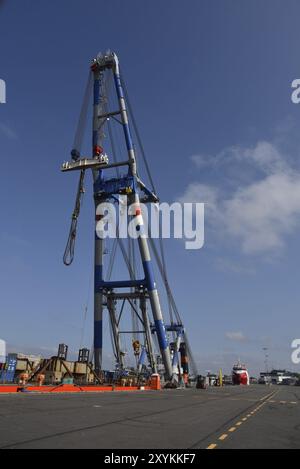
[212,446]
[238,424]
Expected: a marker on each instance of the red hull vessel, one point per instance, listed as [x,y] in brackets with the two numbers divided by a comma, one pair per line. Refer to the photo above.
[240,375]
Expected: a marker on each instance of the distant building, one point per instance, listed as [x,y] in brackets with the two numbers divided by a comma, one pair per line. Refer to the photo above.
[277,377]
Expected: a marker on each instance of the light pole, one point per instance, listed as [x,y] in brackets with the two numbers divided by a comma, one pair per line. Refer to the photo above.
[265,349]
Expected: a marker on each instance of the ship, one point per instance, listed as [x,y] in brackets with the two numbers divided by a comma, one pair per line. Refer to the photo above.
[240,374]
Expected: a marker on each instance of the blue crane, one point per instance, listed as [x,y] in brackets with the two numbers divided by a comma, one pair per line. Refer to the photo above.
[138,291]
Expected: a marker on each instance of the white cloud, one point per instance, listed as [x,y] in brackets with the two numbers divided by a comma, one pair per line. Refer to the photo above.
[200,192]
[235,336]
[260,213]
[264,156]
[227,265]
[201,161]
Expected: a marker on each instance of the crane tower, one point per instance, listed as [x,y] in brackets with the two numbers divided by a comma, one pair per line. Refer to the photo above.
[139,292]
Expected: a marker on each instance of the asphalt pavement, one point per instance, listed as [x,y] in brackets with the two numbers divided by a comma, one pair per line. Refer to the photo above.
[257,416]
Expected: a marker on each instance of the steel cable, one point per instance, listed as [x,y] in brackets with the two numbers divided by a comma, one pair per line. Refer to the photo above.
[70,247]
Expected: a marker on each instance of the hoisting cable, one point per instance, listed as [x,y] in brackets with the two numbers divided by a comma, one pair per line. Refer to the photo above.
[130,267]
[106,81]
[86,307]
[164,267]
[160,262]
[112,259]
[165,280]
[120,242]
[190,355]
[131,255]
[70,247]
[163,271]
[83,116]
[113,148]
[165,274]
[112,340]
[172,301]
[125,256]
[135,127]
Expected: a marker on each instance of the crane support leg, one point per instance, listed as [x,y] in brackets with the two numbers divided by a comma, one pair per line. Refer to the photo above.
[143,244]
[148,338]
[98,304]
[98,272]
[111,306]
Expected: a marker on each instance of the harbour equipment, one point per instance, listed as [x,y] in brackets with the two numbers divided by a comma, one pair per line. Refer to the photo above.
[58,369]
[138,294]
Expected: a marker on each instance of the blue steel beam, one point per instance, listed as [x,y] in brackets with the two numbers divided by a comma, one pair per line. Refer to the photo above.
[142,239]
[98,253]
[110,61]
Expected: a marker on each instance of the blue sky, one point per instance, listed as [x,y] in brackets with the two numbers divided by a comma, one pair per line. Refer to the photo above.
[210,83]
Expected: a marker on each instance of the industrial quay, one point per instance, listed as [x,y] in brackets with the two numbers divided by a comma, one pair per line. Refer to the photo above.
[153,395]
